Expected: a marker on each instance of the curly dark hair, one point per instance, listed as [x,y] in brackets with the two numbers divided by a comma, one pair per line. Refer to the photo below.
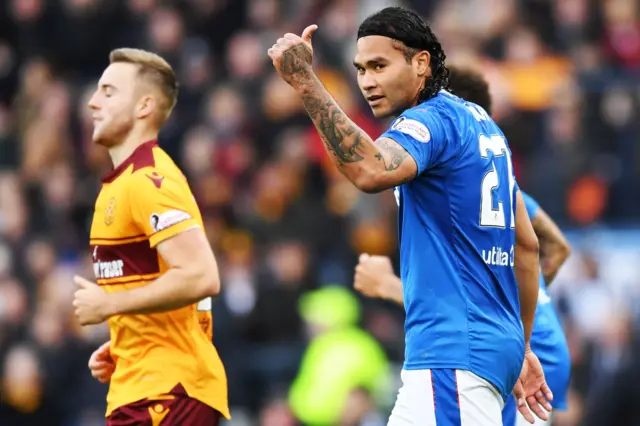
[408,28]
[470,85]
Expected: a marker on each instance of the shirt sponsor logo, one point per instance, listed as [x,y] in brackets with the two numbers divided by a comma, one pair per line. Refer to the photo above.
[169,218]
[110,269]
[497,256]
[413,128]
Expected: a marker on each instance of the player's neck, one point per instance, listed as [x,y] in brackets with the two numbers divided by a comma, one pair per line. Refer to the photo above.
[121,152]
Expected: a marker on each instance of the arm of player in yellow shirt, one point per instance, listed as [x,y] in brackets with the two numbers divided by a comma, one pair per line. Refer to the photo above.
[192,276]
[163,207]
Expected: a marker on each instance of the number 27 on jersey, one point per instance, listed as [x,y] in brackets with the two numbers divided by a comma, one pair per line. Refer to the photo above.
[490,216]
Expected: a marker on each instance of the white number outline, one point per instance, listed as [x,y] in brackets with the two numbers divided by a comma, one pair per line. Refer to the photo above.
[490,217]
[478,113]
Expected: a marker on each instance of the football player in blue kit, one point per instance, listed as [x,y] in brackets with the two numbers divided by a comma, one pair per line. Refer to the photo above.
[469,257]
[375,277]
[547,339]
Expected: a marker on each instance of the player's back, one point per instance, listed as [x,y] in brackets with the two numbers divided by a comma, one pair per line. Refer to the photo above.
[142,203]
[457,237]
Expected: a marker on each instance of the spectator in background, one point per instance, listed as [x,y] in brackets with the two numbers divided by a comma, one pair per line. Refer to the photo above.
[341,359]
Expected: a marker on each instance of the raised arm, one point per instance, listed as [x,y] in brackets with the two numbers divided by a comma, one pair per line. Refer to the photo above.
[372,166]
[554,247]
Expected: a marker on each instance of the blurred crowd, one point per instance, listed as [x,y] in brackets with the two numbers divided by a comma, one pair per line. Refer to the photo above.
[285,226]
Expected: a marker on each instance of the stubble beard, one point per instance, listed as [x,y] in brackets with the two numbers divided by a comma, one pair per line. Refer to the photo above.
[113,134]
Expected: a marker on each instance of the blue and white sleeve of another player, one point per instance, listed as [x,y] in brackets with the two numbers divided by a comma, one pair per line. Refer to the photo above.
[420,131]
[532,205]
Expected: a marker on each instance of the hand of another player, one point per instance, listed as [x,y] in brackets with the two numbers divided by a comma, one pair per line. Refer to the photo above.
[90,302]
[292,57]
[531,390]
[101,364]
[370,274]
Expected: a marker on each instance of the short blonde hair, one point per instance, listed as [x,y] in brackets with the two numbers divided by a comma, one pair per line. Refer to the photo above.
[154,69]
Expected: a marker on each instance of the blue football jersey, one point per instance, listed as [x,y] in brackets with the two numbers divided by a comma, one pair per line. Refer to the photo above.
[548,341]
[456,229]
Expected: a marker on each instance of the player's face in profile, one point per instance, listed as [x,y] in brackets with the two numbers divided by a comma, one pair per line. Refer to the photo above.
[386,79]
[113,104]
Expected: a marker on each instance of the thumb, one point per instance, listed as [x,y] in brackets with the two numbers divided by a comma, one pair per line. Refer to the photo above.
[363,257]
[308,33]
[83,283]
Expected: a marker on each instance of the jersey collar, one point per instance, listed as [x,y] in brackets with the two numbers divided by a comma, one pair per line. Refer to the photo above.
[141,157]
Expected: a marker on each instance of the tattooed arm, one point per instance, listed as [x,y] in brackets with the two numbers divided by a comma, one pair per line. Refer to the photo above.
[554,247]
[372,166]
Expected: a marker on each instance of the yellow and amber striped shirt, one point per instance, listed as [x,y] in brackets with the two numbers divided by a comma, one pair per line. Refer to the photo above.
[143,202]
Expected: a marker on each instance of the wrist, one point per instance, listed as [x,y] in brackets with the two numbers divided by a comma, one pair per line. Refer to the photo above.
[387,287]
[110,306]
[527,347]
[304,81]
[385,293]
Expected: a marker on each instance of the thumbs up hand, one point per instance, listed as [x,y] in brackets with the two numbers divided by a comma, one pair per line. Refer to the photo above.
[292,57]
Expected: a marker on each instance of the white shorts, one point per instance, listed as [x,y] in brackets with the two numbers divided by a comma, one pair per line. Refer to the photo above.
[521,421]
[446,398]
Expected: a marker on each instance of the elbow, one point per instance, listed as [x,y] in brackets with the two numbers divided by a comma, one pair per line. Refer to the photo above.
[555,255]
[370,189]
[368,183]
[211,285]
[564,251]
[552,262]
[207,283]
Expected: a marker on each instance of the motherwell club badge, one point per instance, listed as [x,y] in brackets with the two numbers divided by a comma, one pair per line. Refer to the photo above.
[110,212]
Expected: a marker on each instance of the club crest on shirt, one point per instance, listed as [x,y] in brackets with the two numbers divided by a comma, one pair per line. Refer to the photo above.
[110,211]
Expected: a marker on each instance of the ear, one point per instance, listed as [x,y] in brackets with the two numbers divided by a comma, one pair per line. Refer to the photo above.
[422,60]
[146,106]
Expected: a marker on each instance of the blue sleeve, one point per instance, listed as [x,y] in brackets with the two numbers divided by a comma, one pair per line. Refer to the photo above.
[422,133]
[532,205]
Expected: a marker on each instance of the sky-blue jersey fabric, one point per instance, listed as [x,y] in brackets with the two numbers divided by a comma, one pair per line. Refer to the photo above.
[457,233]
[548,341]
